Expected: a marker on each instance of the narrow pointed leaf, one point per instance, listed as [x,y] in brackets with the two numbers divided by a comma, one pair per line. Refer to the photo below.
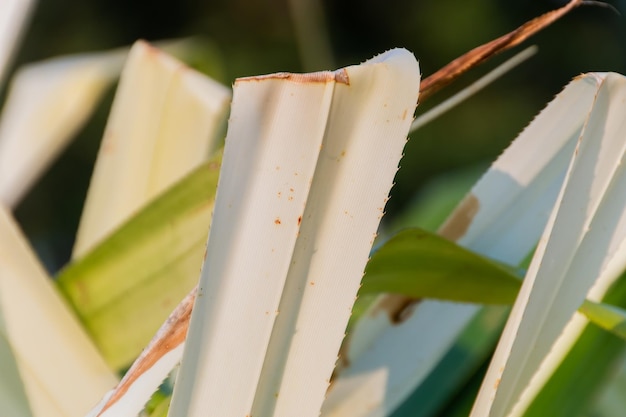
[481,53]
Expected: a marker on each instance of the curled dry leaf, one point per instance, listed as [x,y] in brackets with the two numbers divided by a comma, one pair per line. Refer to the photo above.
[478,55]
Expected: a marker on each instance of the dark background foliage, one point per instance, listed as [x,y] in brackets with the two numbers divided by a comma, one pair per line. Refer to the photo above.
[247,37]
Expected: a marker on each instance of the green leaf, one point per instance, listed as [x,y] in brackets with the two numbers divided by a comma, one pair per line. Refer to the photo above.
[125,287]
[420,264]
[606,316]
[159,404]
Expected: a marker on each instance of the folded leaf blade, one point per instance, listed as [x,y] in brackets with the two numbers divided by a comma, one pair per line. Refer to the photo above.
[579,249]
[274,136]
[365,135]
[343,158]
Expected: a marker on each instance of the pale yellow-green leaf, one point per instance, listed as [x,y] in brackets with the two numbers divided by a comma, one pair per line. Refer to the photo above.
[62,372]
[48,102]
[164,122]
[606,316]
[128,284]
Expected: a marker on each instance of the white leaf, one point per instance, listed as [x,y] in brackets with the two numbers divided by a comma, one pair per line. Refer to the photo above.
[582,246]
[341,134]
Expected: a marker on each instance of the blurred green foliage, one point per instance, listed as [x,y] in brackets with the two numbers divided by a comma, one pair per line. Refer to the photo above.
[252,37]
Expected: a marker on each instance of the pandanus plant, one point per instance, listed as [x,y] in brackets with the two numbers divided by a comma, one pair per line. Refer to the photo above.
[302,183]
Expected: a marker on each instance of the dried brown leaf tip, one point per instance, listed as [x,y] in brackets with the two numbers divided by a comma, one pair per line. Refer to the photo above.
[478,55]
[171,334]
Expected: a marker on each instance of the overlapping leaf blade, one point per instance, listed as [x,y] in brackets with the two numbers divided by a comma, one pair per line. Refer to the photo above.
[164,122]
[310,280]
[144,268]
[581,247]
[501,218]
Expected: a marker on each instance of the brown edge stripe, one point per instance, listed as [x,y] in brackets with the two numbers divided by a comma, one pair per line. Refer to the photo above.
[340,76]
[171,334]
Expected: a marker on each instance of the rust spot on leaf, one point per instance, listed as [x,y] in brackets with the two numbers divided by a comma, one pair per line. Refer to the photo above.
[299,220]
[214,166]
[277,221]
[457,224]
